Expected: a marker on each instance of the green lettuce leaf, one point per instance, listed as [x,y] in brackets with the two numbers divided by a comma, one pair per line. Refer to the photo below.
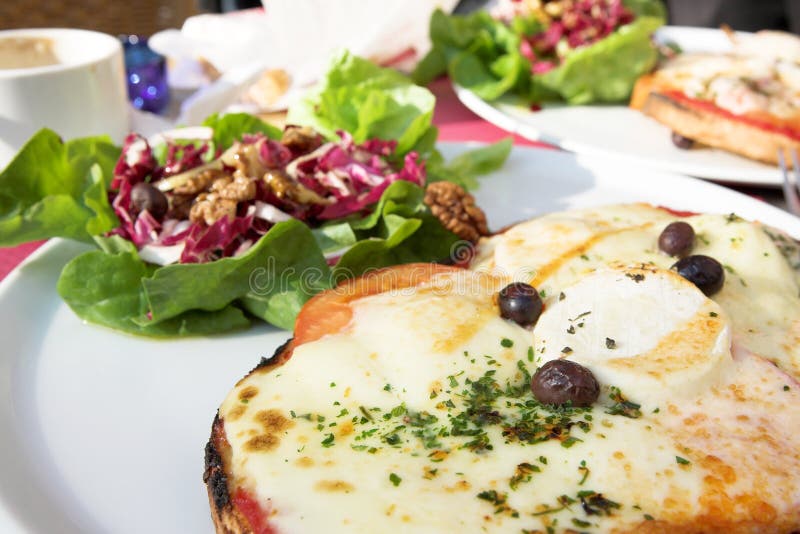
[230,127]
[465,168]
[400,230]
[369,102]
[57,189]
[647,8]
[478,52]
[334,236]
[106,289]
[274,278]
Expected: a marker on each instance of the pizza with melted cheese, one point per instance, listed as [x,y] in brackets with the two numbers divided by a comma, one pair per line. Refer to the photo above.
[746,101]
[407,402]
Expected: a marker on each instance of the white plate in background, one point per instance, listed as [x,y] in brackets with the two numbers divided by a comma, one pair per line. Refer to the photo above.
[618,131]
[104,432]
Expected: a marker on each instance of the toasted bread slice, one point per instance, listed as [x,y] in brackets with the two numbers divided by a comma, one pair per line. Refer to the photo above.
[716,130]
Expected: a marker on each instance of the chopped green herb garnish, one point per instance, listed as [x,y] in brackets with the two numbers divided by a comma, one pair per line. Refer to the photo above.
[522,474]
[507,343]
[366,413]
[594,503]
[499,501]
[580,316]
[395,480]
[584,472]
[622,406]
[328,441]
[636,277]
[392,439]
[682,461]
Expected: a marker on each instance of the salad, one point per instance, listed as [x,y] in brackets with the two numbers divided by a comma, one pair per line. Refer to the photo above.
[202,230]
[181,208]
[577,51]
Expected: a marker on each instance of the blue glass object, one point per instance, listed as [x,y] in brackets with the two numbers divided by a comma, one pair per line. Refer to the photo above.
[147,75]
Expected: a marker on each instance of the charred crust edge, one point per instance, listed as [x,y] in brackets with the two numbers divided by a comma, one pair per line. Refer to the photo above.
[214,475]
[226,518]
[276,358]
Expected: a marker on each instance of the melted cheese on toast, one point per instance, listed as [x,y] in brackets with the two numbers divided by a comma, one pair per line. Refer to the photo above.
[761,295]
[418,417]
[760,76]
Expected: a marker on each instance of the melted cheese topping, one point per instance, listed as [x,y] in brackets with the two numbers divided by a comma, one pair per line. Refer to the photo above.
[418,417]
[760,294]
[742,84]
[606,322]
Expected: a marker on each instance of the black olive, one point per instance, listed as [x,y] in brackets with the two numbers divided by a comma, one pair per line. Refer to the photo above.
[563,381]
[681,142]
[146,197]
[521,303]
[677,239]
[704,272]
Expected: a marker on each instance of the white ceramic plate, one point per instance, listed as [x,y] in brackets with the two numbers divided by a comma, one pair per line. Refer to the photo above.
[104,432]
[625,133]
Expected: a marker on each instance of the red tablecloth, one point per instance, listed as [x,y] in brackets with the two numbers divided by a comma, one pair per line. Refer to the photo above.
[455,122]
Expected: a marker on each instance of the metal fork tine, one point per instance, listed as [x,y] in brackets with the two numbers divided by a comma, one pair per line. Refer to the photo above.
[789,184]
[796,165]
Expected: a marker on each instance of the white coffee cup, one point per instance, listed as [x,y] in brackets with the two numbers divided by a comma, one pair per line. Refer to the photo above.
[83,94]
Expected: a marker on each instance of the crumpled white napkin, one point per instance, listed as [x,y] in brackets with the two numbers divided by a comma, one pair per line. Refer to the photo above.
[298,36]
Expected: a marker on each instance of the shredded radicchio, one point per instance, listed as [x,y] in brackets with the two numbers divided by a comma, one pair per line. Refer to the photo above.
[328,180]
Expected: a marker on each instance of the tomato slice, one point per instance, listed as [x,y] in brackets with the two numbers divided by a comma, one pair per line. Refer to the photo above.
[678,213]
[256,516]
[330,312]
[761,121]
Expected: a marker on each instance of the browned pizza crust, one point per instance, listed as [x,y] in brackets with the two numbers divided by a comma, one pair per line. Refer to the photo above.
[227,520]
[217,475]
[717,131]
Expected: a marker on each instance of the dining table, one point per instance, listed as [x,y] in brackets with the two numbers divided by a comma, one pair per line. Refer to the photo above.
[456,123]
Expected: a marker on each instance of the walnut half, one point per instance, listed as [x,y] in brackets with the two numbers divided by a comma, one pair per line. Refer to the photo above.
[456,210]
[209,208]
